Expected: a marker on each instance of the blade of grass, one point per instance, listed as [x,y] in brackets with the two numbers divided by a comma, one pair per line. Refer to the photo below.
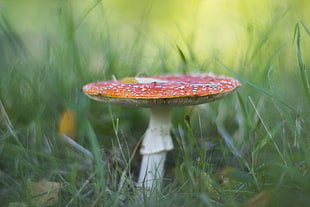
[81,188]
[97,155]
[86,13]
[115,124]
[268,131]
[268,93]
[232,147]
[96,202]
[301,64]
[77,146]
[305,27]
[181,53]
[67,17]
[5,118]
[264,141]
[184,61]
[14,39]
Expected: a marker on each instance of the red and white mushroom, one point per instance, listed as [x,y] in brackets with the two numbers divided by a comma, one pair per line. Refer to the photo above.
[160,94]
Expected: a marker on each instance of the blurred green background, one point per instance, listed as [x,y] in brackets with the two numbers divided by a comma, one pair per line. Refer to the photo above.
[50,49]
[228,29]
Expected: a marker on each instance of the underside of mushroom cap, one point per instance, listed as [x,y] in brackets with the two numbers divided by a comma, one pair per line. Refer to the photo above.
[164,90]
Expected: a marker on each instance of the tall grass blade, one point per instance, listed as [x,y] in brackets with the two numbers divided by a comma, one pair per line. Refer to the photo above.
[97,155]
[77,146]
[67,17]
[305,27]
[301,64]
[81,189]
[268,93]
[13,38]
[181,53]
[7,122]
[86,13]
[268,131]
[183,59]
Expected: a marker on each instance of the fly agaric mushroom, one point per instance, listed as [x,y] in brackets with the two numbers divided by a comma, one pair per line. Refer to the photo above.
[160,94]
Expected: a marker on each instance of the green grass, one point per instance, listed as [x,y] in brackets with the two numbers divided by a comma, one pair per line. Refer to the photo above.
[226,152]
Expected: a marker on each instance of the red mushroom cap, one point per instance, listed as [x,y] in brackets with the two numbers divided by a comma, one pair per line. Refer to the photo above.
[162,90]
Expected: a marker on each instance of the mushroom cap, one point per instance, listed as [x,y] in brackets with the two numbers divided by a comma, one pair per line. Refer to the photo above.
[162,90]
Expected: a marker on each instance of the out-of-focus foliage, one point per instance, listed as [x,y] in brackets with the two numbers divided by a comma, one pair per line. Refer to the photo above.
[225,28]
[251,148]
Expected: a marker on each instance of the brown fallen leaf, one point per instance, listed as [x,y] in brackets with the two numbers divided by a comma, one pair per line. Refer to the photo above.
[44,193]
[260,200]
[230,176]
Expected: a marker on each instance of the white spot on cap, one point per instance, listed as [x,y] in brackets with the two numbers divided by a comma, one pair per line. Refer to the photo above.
[149,80]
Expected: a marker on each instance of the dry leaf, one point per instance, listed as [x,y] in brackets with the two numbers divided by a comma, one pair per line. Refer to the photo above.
[44,193]
[224,176]
[260,200]
[67,123]
[205,179]
[208,183]
[231,176]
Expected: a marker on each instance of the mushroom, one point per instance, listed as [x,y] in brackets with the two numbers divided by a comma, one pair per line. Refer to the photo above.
[160,94]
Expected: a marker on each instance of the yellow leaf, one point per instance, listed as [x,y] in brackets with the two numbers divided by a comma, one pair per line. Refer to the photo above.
[67,123]
[44,193]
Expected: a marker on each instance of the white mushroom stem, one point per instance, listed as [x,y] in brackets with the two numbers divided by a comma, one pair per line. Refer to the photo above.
[157,141]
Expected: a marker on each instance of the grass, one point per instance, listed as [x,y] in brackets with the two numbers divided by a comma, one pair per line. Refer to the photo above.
[253,143]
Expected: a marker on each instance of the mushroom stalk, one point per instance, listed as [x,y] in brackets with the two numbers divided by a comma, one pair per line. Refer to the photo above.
[157,141]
